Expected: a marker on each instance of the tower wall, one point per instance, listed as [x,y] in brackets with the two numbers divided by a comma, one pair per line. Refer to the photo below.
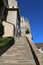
[8,29]
[12,3]
[12,17]
[11,20]
[24,26]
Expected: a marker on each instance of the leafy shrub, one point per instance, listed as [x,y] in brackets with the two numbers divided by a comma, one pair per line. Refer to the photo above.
[5,39]
[1,30]
[27,31]
[6,42]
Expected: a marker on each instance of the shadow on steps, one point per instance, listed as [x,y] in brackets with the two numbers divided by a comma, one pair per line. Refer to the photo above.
[6,48]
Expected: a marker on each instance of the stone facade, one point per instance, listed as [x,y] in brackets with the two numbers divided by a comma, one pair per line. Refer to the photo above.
[8,29]
[14,25]
[24,25]
[12,3]
[10,24]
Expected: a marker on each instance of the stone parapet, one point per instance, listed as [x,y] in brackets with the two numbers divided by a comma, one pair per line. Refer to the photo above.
[36,54]
[12,3]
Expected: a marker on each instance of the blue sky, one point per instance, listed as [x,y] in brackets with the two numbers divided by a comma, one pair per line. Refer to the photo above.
[33,10]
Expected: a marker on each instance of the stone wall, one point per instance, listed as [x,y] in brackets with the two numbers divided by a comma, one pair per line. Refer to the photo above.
[12,3]
[24,25]
[11,19]
[38,57]
[8,29]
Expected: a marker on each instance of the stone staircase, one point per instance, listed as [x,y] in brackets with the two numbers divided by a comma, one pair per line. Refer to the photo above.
[19,54]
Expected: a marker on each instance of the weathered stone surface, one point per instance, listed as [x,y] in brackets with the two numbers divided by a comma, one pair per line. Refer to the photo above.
[19,54]
[24,25]
[36,51]
[10,23]
[12,3]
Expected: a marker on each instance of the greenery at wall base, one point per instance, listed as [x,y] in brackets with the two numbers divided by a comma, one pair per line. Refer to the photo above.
[5,43]
[27,31]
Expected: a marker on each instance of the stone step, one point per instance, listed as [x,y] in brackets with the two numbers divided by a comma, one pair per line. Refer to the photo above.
[19,54]
[29,62]
[14,64]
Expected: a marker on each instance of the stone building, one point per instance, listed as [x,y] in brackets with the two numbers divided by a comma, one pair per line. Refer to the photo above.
[11,17]
[24,25]
[14,24]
